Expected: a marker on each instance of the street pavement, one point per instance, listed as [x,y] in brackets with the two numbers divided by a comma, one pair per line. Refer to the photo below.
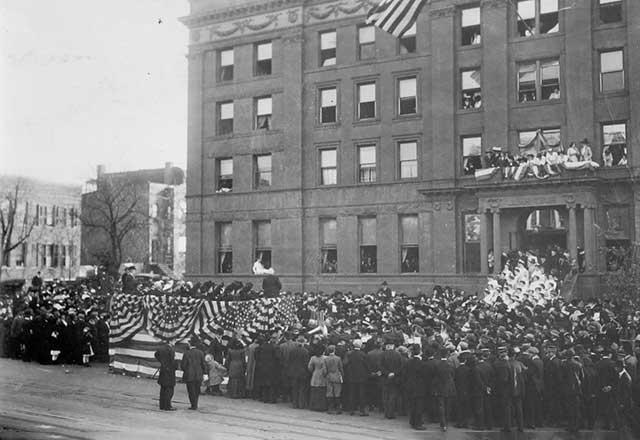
[72,402]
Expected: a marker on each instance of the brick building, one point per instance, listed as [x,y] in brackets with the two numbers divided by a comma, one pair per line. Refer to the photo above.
[340,154]
[156,198]
[53,245]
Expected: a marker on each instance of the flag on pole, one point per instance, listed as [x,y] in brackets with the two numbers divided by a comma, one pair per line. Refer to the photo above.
[395,16]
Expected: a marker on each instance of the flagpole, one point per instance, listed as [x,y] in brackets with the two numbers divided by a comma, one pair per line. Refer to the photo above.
[510,3]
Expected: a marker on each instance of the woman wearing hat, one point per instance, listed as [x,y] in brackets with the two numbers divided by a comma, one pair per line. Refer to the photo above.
[317,396]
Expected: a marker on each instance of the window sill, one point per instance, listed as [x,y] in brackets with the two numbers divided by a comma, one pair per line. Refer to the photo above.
[227,82]
[467,111]
[470,47]
[612,94]
[606,26]
[534,104]
[366,122]
[410,117]
[536,37]
[327,126]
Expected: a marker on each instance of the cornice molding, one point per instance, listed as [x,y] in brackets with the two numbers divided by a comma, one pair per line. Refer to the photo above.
[494,4]
[448,11]
[233,12]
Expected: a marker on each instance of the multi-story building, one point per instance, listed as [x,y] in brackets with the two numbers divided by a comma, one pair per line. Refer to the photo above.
[344,156]
[147,207]
[48,214]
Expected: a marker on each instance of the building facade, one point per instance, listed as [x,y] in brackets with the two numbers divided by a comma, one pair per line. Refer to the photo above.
[153,200]
[343,156]
[51,212]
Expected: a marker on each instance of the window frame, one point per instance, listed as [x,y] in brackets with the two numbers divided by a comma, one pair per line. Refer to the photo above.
[362,246]
[220,70]
[269,116]
[462,156]
[360,45]
[221,129]
[464,70]
[220,177]
[257,173]
[403,37]
[462,28]
[358,118]
[359,164]
[321,89]
[324,247]
[321,58]
[598,16]
[256,247]
[399,143]
[256,63]
[321,168]
[601,73]
[537,20]
[402,245]
[538,81]
[223,249]
[399,79]
[624,122]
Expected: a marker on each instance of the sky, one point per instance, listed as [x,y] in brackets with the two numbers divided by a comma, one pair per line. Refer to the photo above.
[87,82]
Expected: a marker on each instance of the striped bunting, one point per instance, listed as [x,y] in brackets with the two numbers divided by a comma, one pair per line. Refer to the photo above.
[127,316]
[395,16]
[171,317]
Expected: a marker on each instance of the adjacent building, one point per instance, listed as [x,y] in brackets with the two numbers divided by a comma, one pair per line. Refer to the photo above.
[147,208]
[48,214]
[343,156]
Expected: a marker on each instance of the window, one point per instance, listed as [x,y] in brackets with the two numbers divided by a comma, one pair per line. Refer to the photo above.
[471,90]
[263,113]
[328,48]
[610,11]
[263,171]
[614,144]
[329,244]
[328,105]
[407,96]
[368,249]
[537,17]
[408,40]
[367,101]
[55,254]
[366,42]
[64,216]
[225,118]
[408,160]
[367,163]
[409,255]
[73,217]
[611,71]
[328,167]
[471,154]
[21,255]
[539,80]
[48,213]
[45,255]
[225,175]
[263,59]
[472,243]
[263,242]
[225,73]
[617,232]
[225,251]
[552,136]
[471,26]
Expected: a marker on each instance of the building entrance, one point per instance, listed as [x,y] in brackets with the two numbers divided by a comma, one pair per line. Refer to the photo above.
[545,228]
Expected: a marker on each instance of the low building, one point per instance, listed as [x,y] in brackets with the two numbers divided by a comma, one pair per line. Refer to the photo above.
[51,212]
[146,208]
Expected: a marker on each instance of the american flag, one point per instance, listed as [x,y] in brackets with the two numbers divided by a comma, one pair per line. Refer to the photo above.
[127,316]
[171,317]
[395,16]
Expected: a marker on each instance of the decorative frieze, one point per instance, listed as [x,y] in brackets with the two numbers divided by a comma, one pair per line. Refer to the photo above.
[337,10]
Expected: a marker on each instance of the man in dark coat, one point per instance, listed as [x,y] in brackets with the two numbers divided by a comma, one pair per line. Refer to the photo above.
[36,281]
[267,370]
[129,284]
[517,393]
[573,378]
[415,378]
[607,381]
[443,387]
[297,371]
[503,387]
[534,387]
[463,377]
[552,386]
[390,364]
[166,355]
[193,367]
[482,386]
[357,370]
[271,286]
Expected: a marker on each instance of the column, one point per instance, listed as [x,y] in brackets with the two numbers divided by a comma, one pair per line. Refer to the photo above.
[484,245]
[589,239]
[572,242]
[497,247]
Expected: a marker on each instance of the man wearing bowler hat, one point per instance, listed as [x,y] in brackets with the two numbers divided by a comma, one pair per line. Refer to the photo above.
[193,367]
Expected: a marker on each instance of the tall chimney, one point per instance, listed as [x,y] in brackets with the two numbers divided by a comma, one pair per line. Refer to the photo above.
[100,170]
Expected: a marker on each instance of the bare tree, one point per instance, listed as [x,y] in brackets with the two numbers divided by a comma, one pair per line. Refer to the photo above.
[111,215]
[15,226]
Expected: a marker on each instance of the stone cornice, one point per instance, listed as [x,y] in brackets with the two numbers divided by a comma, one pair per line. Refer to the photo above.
[234,12]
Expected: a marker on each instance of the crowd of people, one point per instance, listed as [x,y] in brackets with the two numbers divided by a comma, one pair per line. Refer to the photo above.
[542,164]
[512,361]
[59,322]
